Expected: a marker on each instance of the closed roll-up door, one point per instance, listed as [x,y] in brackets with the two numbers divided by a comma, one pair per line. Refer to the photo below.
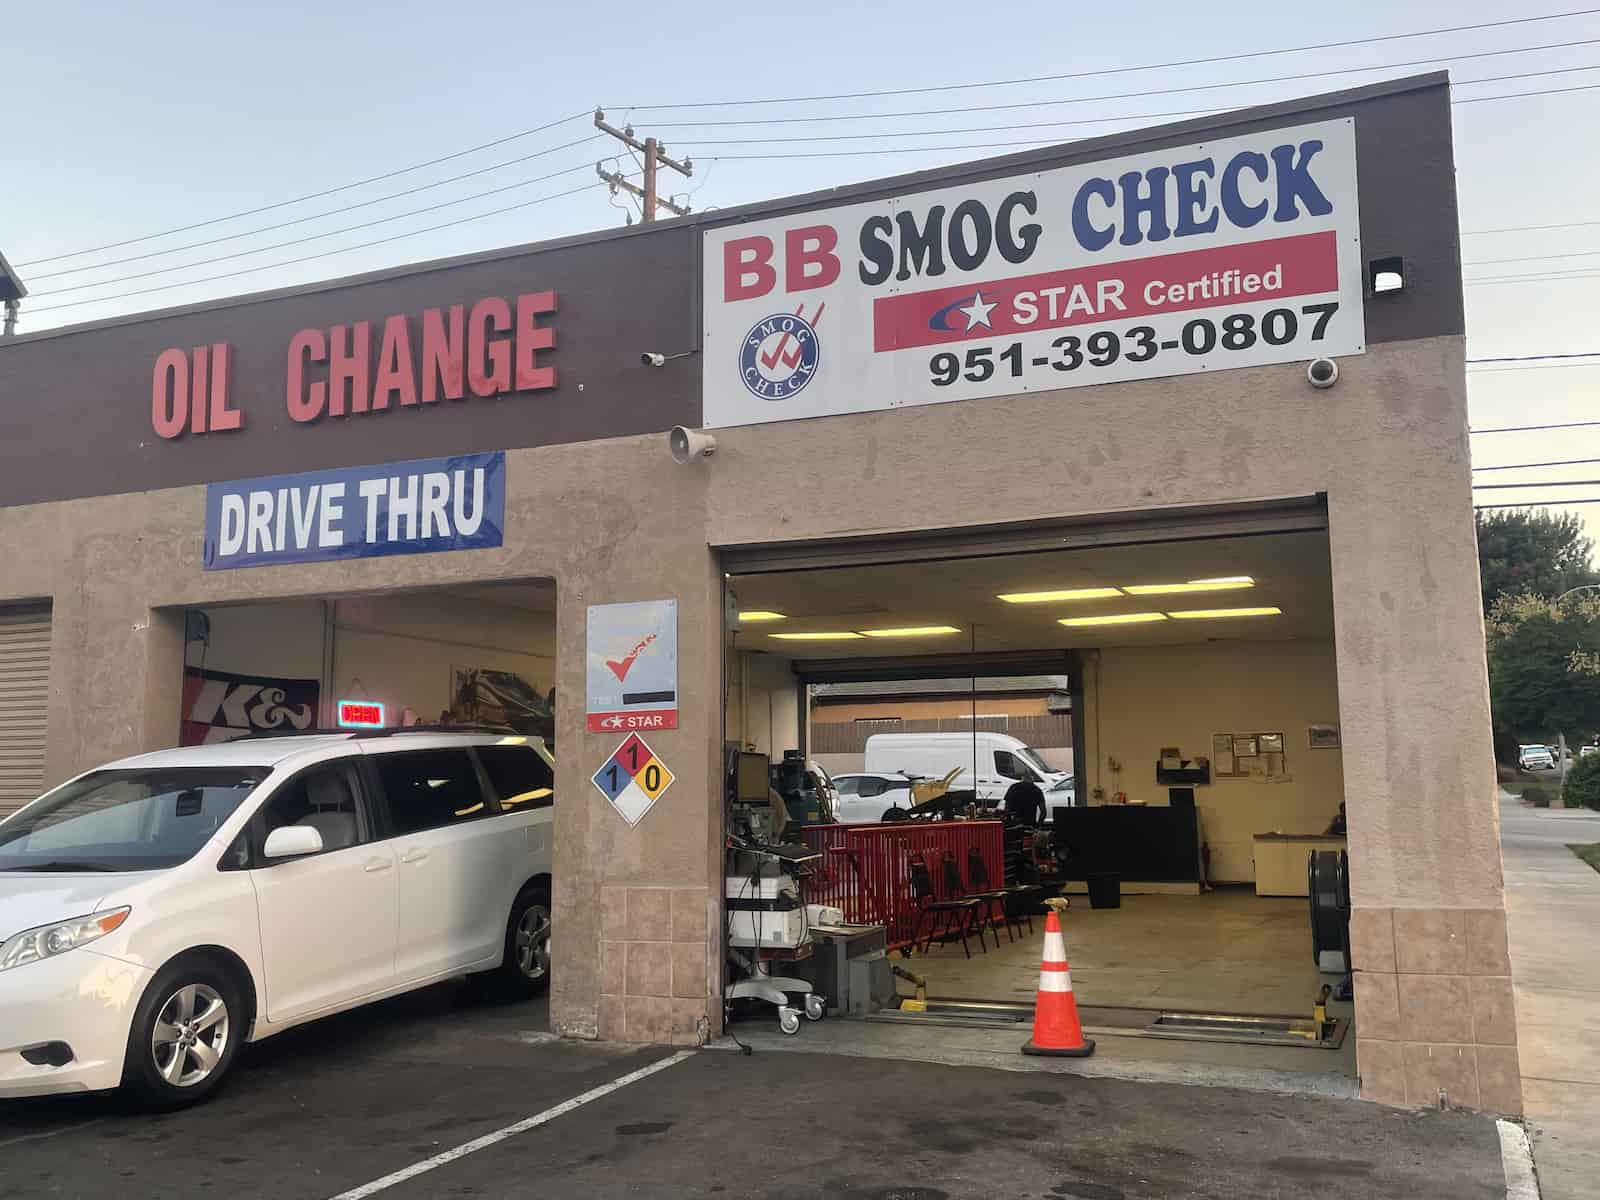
[24,688]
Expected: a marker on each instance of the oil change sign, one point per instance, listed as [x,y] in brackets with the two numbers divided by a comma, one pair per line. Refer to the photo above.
[1231,253]
[357,512]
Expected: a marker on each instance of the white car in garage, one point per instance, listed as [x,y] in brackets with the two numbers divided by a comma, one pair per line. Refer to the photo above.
[864,797]
[159,911]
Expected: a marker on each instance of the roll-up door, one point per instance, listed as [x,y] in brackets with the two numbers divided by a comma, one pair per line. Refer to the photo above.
[24,690]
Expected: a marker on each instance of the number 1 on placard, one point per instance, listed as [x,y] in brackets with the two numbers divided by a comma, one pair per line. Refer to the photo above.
[633,750]
[611,773]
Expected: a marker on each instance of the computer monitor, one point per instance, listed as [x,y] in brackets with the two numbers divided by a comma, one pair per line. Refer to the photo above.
[752,778]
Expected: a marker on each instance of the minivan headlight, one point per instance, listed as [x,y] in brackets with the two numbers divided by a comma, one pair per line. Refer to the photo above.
[47,941]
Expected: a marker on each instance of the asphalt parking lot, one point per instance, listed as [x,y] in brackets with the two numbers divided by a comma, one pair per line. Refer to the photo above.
[334,1108]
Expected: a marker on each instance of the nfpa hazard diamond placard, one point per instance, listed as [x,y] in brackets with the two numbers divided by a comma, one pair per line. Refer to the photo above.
[633,779]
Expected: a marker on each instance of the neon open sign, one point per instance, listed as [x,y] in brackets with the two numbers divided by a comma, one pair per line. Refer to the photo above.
[360,714]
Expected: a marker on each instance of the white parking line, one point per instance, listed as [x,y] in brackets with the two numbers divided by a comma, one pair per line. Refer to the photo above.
[500,1135]
[1516,1157]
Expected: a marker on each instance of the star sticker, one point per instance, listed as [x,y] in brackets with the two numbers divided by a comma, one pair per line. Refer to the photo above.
[977,313]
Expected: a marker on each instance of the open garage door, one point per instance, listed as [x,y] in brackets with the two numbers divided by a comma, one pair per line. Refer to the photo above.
[1169,685]
[24,695]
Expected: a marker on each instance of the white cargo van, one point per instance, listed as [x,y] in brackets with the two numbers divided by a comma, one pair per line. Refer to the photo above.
[1001,761]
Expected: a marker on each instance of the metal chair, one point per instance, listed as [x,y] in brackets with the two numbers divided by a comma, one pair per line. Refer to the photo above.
[1010,902]
[944,917]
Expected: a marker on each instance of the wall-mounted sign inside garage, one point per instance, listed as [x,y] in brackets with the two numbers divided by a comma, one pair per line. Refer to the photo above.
[1230,253]
[416,507]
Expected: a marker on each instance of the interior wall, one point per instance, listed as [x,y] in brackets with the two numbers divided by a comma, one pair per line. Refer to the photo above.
[763,704]
[401,649]
[282,639]
[1139,699]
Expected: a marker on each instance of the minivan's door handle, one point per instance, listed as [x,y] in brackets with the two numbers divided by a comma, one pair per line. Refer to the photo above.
[373,865]
[413,855]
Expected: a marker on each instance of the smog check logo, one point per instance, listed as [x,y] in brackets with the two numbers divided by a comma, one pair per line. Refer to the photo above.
[779,355]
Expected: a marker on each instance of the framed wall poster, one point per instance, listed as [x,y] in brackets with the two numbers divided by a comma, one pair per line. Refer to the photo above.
[1322,737]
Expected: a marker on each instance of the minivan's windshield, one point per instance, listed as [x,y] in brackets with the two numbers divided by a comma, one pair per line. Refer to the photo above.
[130,820]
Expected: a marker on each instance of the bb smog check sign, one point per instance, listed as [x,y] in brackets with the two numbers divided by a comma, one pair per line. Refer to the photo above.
[416,507]
[1231,253]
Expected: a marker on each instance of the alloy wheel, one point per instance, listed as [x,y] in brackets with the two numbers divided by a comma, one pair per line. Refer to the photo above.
[532,942]
[190,1035]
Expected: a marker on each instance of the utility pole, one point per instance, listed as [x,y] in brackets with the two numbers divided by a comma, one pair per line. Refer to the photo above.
[655,156]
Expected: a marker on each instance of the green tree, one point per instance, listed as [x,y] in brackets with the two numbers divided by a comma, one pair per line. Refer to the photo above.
[1532,551]
[1544,665]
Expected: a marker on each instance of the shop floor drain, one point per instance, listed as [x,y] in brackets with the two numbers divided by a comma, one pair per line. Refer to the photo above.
[1242,1029]
[1249,1030]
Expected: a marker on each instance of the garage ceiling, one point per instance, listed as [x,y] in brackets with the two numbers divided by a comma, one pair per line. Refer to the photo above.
[1290,570]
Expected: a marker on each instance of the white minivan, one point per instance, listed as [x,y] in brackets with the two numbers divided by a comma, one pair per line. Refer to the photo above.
[1001,760]
[157,912]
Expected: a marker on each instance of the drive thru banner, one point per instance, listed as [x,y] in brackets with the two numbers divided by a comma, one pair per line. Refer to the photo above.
[1230,253]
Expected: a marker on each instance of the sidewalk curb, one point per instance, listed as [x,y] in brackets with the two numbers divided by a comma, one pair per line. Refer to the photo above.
[1516,1157]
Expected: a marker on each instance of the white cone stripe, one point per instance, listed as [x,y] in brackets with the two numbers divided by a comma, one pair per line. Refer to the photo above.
[1055,948]
[1055,981]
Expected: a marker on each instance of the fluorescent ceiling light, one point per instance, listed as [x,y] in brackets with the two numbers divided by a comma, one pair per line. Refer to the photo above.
[762,615]
[1226,583]
[1207,614]
[1085,593]
[833,636]
[1136,618]
[912,631]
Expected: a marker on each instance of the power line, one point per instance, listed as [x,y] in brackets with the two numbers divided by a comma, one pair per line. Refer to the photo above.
[288,262]
[1526,228]
[847,137]
[1560,462]
[1587,87]
[1547,277]
[1536,504]
[1536,357]
[1567,366]
[1532,428]
[1191,62]
[1546,483]
[1040,141]
[1198,87]
[331,212]
[312,237]
[344,187]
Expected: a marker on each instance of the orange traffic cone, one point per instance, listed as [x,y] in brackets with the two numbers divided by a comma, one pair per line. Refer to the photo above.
[1056,1031]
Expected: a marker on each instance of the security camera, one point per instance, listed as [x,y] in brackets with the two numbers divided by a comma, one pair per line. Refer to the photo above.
[687,444]
[1322,372]
[651,359]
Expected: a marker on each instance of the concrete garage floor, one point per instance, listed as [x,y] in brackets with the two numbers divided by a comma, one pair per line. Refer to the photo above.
[1223,951]
[344,1110]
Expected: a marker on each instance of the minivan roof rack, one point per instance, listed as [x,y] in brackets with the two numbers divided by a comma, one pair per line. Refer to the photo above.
[386,731]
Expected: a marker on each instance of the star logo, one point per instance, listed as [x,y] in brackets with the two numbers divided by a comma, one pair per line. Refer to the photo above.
[977,313]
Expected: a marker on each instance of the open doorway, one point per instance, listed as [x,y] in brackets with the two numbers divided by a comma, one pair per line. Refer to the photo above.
[1177,703]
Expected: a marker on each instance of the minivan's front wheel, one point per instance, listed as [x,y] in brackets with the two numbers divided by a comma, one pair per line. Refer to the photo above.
[525,970]
[186,1033]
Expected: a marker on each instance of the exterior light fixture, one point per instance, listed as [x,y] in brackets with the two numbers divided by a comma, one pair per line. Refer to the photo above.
[1083,593]
[1134,618]
[1225,583]
[1386,276]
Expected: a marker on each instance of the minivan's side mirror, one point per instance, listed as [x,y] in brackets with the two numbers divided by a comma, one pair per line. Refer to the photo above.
[292,841]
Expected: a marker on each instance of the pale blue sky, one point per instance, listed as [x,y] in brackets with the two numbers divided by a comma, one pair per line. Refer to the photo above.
[122,120]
